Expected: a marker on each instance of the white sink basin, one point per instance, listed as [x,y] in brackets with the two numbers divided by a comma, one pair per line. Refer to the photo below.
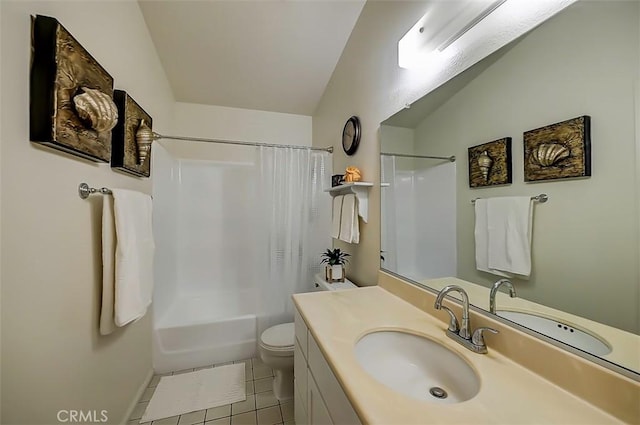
[417,367]
[558,330]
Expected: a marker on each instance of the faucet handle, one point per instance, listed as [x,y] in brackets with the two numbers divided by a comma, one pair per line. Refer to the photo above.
[478,339]
[453,321]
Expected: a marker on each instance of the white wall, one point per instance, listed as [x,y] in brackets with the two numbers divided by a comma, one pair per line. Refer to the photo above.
[246,125]
[52,354]
[585,242]
[368,82]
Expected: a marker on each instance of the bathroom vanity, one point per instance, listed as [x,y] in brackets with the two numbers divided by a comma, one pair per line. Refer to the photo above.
[521,379]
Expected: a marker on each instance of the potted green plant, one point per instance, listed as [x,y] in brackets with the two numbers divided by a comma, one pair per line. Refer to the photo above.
[335,260]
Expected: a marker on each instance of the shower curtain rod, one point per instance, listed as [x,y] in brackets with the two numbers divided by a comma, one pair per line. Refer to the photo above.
[156,136]
[404,155]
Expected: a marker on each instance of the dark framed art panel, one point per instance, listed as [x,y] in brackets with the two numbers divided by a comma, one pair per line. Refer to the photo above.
[71,106]
[490,163]
[558,151]
[129,153]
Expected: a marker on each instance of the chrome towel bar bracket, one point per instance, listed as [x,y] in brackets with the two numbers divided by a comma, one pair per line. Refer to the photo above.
[84,190]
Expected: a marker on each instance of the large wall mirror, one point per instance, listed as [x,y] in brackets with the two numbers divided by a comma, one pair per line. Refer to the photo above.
[585,278]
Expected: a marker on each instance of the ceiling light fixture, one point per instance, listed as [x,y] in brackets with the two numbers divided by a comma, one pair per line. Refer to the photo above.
[441,26]
[486,12]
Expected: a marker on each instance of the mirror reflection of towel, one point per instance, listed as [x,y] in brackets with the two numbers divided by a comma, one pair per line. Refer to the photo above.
[349,225]
[503,235]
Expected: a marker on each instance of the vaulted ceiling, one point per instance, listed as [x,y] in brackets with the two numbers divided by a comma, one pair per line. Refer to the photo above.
[266,55]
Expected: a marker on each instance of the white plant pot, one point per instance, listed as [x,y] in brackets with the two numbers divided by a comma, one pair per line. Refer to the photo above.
[334,273]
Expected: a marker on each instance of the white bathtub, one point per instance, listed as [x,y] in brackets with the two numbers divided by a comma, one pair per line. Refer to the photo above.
[199,330]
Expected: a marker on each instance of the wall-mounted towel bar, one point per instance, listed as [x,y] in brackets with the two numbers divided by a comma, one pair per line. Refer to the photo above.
[84,190]
[542,198]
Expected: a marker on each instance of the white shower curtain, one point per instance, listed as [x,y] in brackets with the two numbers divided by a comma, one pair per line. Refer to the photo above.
[293,215]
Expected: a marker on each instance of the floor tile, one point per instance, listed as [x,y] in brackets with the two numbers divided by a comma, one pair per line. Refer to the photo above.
[250,388]
[256,362]
[192,418]
[218,412]
[139,410]
[266,399]
[248,418]
[154,381]
[203,367]
[263,385]
[287,410]
[180,372]
[173,420]
[262,371]
[248,375]
[244,406]
[269,416]
[133,422]
[220,421]
[146,395]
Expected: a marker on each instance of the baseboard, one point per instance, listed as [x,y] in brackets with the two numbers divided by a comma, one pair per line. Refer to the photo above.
[132,405]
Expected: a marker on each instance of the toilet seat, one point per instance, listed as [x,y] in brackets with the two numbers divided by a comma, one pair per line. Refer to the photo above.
[278,338]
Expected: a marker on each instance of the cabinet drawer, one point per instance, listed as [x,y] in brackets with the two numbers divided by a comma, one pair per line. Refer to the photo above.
[318,412]
[334,397]
[301,333]
[300,374]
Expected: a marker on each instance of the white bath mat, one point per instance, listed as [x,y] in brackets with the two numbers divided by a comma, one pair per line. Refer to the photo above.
[189,392]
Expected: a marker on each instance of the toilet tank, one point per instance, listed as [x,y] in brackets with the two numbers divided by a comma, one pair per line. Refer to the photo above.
[320,284]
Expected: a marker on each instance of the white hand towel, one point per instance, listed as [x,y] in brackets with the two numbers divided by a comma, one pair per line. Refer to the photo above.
[335,218]
[349,225]
[509,227]
[107,325]
[134,255]
[482,239]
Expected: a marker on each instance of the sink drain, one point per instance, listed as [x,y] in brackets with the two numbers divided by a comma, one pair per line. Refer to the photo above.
[438,392]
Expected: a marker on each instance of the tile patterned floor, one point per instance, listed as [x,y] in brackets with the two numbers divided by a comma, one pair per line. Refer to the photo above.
[260,408]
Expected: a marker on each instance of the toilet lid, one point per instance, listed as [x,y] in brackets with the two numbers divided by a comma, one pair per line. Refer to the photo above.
[279,336]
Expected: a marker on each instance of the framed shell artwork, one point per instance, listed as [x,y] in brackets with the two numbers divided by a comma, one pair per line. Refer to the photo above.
[132,137]
[71,95]
[558,151]
[490,163]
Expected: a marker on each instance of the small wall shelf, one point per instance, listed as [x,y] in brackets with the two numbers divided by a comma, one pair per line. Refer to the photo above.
[361,190]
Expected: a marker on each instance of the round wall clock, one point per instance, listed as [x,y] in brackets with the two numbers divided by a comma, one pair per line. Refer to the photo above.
[351,135]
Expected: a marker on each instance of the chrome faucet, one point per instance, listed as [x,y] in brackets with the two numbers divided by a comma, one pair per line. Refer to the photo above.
[461,333]
[494,291]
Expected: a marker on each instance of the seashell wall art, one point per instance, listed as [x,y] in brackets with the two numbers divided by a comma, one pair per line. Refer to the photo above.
[558,151]
[70,94]
[490,163]
[132,137]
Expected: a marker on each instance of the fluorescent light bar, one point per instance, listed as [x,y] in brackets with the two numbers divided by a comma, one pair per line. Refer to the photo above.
[486,12]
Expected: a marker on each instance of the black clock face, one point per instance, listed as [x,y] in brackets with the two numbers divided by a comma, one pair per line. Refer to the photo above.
[351,135]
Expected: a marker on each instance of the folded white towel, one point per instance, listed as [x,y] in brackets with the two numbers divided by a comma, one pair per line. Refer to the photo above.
[482,239]
[509,225]
[134,255]
[349,225]
[335,218]
[107,325]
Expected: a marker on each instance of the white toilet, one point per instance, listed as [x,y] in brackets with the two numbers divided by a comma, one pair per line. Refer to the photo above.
[276,345]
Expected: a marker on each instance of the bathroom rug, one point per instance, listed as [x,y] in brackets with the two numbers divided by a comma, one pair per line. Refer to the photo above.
[192,391]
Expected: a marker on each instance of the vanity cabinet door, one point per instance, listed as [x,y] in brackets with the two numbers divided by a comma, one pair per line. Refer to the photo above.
[300,385]
[333,395]
[318,413]
[301,333]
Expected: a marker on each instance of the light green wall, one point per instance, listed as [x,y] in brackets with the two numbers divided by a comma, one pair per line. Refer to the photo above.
[584,61]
